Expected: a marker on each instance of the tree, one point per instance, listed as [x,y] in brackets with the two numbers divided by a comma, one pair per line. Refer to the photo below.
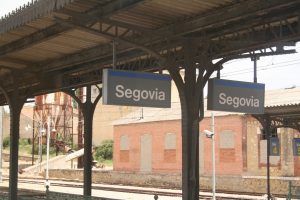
[104,151]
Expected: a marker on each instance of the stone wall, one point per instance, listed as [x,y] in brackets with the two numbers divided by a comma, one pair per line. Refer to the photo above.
[251,184]
[285,165]
[122,178]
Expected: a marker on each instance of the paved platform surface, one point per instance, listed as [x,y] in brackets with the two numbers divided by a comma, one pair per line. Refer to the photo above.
[76,188]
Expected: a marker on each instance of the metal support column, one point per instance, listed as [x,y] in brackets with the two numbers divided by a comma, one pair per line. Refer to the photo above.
[88,108]
[267,129]
[88,113]
[32,148]
[254,59]
[1,142]
[190,98]
[15,104]
[114,54]
[213,138]
[80,128]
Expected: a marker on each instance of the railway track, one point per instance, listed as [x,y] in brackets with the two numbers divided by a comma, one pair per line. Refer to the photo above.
[221,195]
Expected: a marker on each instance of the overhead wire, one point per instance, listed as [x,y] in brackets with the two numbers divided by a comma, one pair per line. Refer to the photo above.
[227,74]
[233,73]
[261,68]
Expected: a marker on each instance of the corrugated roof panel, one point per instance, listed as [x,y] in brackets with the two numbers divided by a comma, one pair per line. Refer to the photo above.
[8,37]
[56,47]
[85,5]
[90,38]
[27,14]
[13,65]
[138,19]
[41,23]
[25,30]
[155,13]
[66,43]
[283,97]
[35,54]
[16,34]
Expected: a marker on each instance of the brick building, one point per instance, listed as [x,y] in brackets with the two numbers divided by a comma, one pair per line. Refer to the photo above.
[149,140]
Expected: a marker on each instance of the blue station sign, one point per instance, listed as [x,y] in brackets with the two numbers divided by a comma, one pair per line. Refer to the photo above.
[274,147]
[235,96]
[296,146]
[136,88]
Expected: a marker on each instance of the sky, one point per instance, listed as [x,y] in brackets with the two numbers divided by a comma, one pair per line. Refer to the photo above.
[7,6]
[274,71]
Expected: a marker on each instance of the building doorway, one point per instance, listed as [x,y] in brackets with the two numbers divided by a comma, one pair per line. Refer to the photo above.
[146,153]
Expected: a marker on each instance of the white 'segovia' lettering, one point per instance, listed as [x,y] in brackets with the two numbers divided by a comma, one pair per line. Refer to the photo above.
[238,101]
[137,94]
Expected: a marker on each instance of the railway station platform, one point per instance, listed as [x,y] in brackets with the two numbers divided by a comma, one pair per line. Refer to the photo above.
[35,189]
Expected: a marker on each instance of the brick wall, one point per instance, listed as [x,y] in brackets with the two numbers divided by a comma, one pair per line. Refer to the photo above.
[228,160]
[238,147]
[162,159]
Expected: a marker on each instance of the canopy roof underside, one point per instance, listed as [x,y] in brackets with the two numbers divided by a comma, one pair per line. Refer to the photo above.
[49,45]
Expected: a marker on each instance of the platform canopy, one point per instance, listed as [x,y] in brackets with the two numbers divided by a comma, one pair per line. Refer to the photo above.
[48,45]
[282,109]
[284,116]
[54,45]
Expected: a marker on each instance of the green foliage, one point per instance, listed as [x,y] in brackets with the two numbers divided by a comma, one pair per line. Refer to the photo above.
[104,151]
[24,141]
[52,150]
[108,163]
[6,142]
[75,146]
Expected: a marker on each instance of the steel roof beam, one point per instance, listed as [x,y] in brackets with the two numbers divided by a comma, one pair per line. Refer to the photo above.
[227,15]
[107,36]
[255,40]
[246,41]
[240,43]
[55,29]
[77,16]
[102,54]
[34,38]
